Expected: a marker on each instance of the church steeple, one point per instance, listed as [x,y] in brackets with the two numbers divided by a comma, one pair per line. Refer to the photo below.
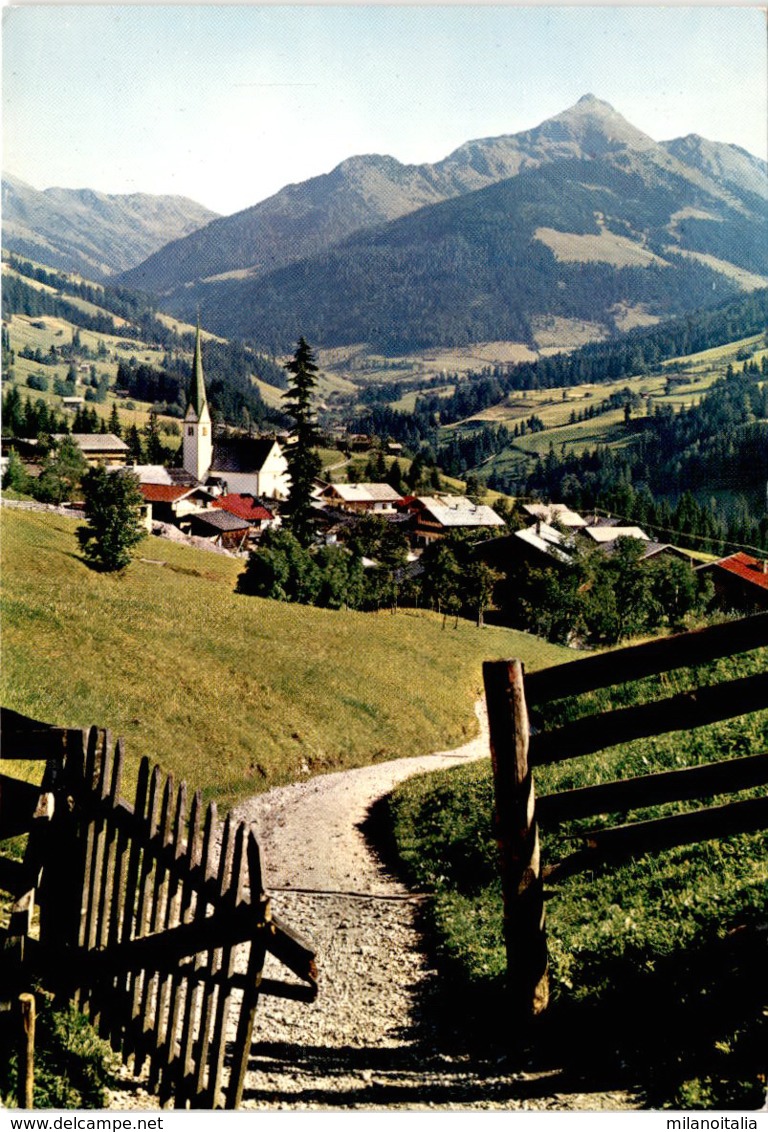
[196,398]
[198,431]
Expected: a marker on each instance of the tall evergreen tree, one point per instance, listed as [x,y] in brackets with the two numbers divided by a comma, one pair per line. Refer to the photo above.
[303,460]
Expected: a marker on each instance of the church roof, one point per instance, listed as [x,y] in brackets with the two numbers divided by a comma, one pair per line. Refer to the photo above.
[241,453]
[196,394]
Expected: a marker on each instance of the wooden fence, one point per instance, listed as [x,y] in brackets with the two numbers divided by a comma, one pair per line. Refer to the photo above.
[520,741]
[151,916]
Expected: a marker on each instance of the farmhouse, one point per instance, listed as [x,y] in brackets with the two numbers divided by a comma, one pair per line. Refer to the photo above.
[244,464]
[248,508]
[437,515]
[741,582]
[98,448]
[361,498]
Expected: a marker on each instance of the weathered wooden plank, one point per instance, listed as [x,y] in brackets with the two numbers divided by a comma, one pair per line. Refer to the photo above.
[637,661]
[518,840]
[149,1013]
[134,1037]
[681,712]
[293,950]
[726,776]
[173,1068]
[164,1036]
[232,900]
[252,980]
[214,967]
[185,1089]
[637,838]
[102,897]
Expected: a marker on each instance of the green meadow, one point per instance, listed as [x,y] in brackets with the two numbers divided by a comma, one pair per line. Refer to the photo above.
[235,694]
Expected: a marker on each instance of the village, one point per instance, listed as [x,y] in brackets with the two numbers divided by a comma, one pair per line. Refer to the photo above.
[226,489]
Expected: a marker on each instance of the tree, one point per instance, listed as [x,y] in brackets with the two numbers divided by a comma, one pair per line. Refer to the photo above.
[113,503]
[280,568]
[63,468]
[16,477]
[304,462]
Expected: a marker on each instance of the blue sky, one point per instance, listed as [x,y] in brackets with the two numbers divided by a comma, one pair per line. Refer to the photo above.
[227,104]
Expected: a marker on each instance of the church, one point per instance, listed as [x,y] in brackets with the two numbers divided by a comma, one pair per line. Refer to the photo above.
[242,465]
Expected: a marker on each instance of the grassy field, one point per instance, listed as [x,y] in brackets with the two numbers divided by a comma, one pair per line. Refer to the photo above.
[233,693]
[668,942]
[698,372]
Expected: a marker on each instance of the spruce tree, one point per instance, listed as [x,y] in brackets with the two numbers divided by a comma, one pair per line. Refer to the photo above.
[304,462]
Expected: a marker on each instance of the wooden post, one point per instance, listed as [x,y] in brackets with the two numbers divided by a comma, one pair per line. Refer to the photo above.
[518,839]
[26,1081]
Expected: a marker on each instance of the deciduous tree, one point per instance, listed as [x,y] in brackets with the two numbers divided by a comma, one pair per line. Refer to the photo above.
[113,511]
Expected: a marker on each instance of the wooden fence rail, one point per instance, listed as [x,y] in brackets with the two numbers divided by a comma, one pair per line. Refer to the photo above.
[521,741]
[152,914]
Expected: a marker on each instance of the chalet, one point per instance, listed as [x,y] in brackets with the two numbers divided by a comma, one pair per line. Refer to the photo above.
[606,536]
[252,465]
[222,528]
[249,509]
[98,448]
[170,503]
[361,498]
[554,513]
[741,582]
[540,545]
[436,516]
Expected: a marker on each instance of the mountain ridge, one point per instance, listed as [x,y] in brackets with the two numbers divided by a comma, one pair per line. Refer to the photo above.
[96,234]
[365,190]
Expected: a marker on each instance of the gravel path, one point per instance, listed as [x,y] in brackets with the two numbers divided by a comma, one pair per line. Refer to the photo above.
[367,1041]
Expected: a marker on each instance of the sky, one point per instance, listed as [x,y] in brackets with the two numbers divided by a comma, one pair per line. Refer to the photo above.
[227,104]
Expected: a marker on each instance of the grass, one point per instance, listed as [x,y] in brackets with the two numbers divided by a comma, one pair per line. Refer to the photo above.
[667,942]
[235,694]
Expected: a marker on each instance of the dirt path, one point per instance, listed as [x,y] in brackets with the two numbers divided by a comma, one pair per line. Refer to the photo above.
[367,1041]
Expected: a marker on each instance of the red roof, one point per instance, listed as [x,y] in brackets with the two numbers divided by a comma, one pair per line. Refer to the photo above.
[244,506]
[745,566]
[163,492]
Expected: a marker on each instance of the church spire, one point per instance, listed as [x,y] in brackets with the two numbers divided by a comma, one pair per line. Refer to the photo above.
[196,398]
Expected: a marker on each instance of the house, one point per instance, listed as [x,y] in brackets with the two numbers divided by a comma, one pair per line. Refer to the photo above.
[437,515]
[252,465]
[361,498]
[741,582]
[248,508]
[605,535]
[551,513]
[222,528]
[540,545]
[98,447]
[170,503]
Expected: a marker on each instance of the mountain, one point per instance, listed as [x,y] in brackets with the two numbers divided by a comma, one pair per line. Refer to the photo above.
[302,220]
[95,234]
[580,239]
[305,219]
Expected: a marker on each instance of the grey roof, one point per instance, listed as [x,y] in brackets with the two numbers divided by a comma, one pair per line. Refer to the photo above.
[458,511]
[94,441]
[241,453]
[220,520]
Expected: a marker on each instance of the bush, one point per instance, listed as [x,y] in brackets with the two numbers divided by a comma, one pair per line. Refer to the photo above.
[73,1066]
[38,381]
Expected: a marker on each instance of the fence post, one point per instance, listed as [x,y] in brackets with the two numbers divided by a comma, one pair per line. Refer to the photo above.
[518,839]
[26,1072]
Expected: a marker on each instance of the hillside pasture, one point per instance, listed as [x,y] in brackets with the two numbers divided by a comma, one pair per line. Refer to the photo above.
[234,694]
[669,938]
